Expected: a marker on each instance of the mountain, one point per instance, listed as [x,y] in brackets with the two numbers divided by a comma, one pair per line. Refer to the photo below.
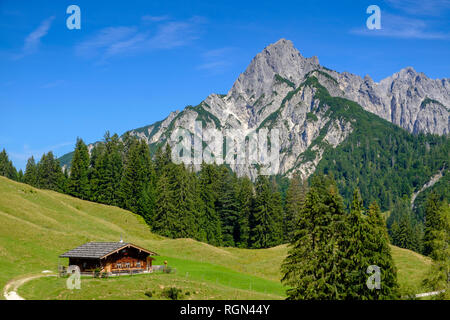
[314,108]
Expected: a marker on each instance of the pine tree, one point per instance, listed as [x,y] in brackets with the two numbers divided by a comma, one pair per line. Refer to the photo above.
[162,158]
[407,232]
[176,215]
[227,206]
[30,176]
[312,268]
[165,217]
[183,189]
[438,277]
[210,224]
[295,197]
[49,173]
[354,247]
[20,176]
[78,185]
[7,168]
[106,170]
[364,245]
[433,221]
[266,219]
[245,198]
[137,184]
[381,256]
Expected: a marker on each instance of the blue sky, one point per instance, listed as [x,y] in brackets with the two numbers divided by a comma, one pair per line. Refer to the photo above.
[133,62]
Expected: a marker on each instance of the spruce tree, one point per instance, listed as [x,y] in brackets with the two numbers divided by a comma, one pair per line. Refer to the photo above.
[438,276]
[227,206]
[137,184]
[165,216]
[355,249]
[7,168]
[78,185]
[266,219]
[295,197]
[312,268]
[433,221]
[381,256]
[245,198]
[210,224]
[49,173]
[30,176]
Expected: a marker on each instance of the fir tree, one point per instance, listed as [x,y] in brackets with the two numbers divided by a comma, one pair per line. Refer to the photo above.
[295,197]
[433,221]
[165,217]
[381,256]
[312,268]
[138,180]
[30,176]
[49,174]
[210,224]
[266,217]
[245,198]
[7,168]
[438,277]
[78,185]
[227,206]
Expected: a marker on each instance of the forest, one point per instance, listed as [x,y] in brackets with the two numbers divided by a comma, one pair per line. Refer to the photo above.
[213,205]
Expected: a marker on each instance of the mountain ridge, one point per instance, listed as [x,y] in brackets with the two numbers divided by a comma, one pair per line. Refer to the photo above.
[275,90]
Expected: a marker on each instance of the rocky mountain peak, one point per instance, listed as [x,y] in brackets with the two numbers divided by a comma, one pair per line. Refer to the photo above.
[280,58]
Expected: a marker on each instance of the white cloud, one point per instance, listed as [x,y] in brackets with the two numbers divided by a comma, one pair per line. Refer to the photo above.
[155,18]
[33,40]
[420,7]
[115,41]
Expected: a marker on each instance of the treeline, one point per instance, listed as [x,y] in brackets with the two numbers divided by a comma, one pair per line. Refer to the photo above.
[212,205]
[215,206]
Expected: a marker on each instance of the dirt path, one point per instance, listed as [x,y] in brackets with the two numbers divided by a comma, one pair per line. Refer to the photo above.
[10,290]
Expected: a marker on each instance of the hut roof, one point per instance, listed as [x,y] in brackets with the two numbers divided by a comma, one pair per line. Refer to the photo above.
[98,250]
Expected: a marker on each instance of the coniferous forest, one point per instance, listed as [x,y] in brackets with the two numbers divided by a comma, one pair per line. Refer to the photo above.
[213,205]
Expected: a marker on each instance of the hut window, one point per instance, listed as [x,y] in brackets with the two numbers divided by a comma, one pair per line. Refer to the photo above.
[138,264]
[127,265]
[118,265]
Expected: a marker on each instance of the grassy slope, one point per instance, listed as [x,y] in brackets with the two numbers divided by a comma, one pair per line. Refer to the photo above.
[38,225]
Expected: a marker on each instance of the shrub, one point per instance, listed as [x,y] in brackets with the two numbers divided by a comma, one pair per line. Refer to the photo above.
[172,293]
[149,294]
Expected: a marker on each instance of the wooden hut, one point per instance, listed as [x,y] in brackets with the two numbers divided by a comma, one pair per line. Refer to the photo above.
[110,257]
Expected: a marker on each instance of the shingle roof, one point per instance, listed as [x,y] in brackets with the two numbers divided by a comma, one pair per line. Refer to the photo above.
[95,249]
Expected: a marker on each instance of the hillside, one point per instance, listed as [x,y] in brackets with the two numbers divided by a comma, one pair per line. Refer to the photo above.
[38,225]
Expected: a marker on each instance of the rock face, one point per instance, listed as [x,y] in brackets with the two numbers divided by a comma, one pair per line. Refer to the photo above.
[275,93]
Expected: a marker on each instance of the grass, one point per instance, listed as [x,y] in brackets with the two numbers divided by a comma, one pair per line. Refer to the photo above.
[411,269]
[38,225]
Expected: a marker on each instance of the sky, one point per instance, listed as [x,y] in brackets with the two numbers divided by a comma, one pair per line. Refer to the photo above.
[133,62]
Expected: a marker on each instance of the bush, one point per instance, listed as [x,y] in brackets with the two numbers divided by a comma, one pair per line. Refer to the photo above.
[149,294]
[172,293]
